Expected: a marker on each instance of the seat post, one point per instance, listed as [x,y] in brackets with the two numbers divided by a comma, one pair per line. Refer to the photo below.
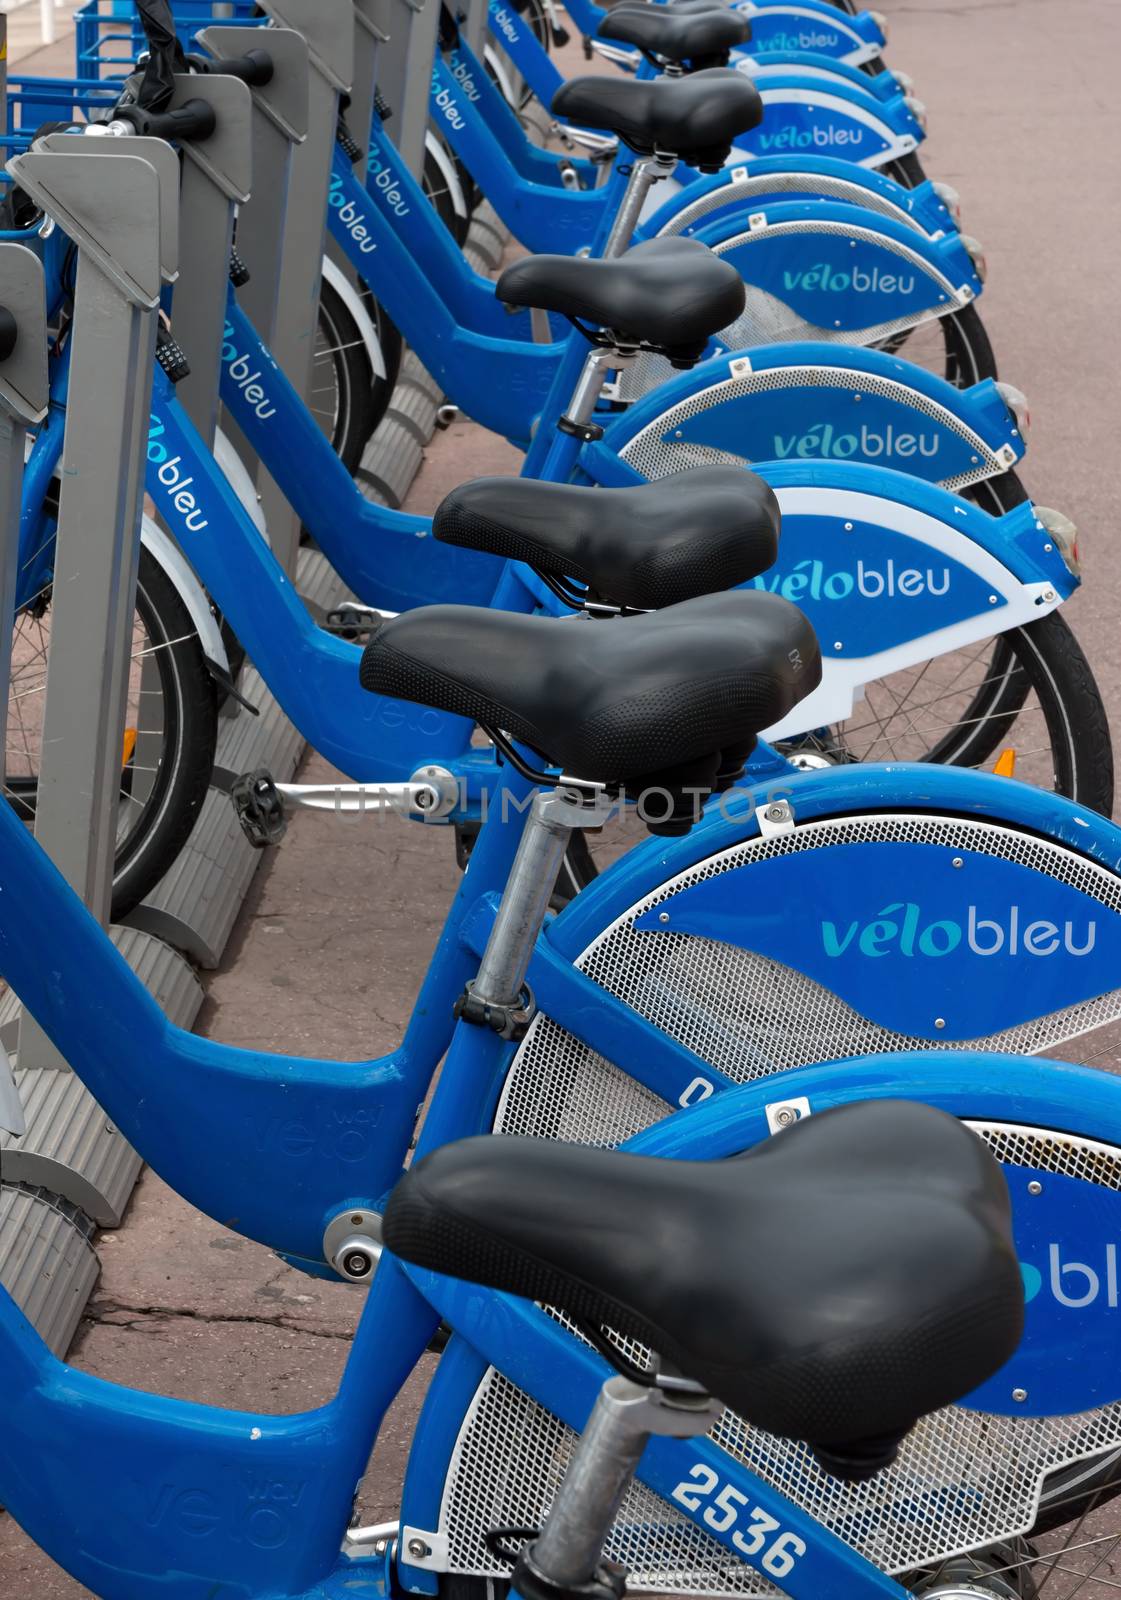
[553,817]
[645,173]
[566,1555]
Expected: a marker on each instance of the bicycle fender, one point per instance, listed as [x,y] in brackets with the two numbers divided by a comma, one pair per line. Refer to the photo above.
[804,115]
[800,402]
[773,180]
[354,303]
[840,271]
[808,25]
[166,553]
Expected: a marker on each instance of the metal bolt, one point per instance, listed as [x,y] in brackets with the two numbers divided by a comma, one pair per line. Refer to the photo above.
[848,525]
[1019,1394]
[418,1548]
[1035,1187]
[957,862]
[778,811]
[837,645]
[992,599]
[357,1264]
[786,1116]
[663,916]
[356,1219]
[939,1022]
[1049,595]
[1047,549]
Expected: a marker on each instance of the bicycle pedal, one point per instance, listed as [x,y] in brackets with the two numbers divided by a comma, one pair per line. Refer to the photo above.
[353,621]
[259,808]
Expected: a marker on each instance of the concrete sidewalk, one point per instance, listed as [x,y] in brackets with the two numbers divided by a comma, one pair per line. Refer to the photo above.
[335,938]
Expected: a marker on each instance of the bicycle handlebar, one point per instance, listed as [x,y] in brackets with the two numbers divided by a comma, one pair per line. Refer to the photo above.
[254,68]
[194,121]
[9,333]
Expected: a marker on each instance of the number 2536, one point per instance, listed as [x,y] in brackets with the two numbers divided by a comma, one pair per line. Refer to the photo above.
[731,1509]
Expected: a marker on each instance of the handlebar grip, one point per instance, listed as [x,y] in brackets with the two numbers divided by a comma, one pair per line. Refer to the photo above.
[193,122]
[9,333]
[254,68]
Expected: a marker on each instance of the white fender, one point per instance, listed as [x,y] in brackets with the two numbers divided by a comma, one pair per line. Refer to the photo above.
[355,304]
[236,474]
[163,550]
[501,75]
[447,171]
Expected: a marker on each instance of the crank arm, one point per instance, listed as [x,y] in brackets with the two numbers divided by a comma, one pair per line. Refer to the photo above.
[431,793]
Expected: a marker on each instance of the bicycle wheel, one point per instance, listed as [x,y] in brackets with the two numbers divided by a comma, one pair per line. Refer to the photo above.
[955,346]
[960,708]
[907,170]
[347,397]
[171,731]
[439,194]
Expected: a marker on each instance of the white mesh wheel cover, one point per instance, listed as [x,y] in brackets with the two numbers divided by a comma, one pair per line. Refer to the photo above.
[655,456]
[964,1479]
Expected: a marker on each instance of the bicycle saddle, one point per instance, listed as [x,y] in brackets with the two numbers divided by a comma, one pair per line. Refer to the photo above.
[702,37]
[667,294]
[697,118]
[693,533]
[670,701]
[834,1284]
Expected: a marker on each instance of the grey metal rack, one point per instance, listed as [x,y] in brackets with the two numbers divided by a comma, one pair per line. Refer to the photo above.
[120,208]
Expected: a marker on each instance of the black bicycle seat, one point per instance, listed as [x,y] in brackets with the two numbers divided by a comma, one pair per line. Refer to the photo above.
[697,118]
[658,701]
[667,294]
[696,532]
[834,1284]
[703,38]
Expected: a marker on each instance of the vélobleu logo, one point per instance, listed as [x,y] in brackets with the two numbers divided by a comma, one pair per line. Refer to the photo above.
[445,103]
[353,220]
[804,39]
[809,580]
[249,382]
[817,138]
[505,23]
[901,929]
[461,72]
[822,276]
[1074,1284]
[386,182]
[824,441]
[176,487]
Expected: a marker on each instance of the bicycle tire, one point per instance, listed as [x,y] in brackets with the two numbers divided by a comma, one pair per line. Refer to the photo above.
[907,170]
[190,724]
[350,400]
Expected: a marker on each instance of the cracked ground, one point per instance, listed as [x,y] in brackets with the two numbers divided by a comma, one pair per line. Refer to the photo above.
[329,951]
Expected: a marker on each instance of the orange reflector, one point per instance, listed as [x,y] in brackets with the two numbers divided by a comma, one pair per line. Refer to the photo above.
[130,746]
[1006,764]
